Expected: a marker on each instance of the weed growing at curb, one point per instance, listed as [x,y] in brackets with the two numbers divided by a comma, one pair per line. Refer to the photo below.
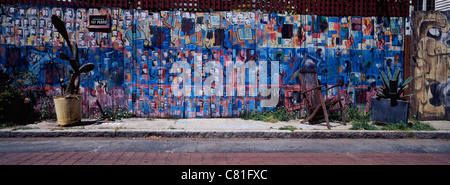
[419,125]
[416,125]
[23,128]
[423,126]
[362,125]
[361,121]
[397,127]
[291,128]
[280,114]
[118,128]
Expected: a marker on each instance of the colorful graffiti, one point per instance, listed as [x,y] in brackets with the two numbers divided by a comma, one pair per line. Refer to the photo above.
[224,62]
[431,50]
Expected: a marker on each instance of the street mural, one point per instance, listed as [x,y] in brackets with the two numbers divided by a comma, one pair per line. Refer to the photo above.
[431,50]
[216,64]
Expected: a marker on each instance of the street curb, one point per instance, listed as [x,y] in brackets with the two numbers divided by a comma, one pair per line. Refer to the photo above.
[233,134]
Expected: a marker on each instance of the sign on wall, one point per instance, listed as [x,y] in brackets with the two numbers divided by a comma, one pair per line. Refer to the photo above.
[99,21]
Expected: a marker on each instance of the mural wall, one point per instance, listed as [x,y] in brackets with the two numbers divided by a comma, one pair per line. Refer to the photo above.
[431,50]
[222,63]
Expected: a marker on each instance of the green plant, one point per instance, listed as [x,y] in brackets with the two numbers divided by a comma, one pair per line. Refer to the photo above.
[14,107]
[23,98]
[44,113]
[357,114]
[362,125]
[353,113]
[415,125]
[397,126]
[391,89]
[115,114]
[280,114]
[73,85]
[422,126]
[289,127]
[34,92]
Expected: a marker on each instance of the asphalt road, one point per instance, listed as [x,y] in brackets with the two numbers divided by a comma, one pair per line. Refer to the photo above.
[170,145]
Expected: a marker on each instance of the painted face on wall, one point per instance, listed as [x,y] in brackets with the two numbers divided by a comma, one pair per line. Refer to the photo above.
[240,17]
[41,23]
[234,20]
[33,22]
[228,15]
[440,35]
[265,18]
[155,54]
[127,14]
[69,25]
[247,21]
[22,12]
[79,14]
[344,20]
[45,12]
[69,13]
[58,13]
[26,22]
[17,22]
[11,10]
[33,11]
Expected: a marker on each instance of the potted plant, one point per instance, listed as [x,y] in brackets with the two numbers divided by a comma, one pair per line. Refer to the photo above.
[390,105]
[68,106]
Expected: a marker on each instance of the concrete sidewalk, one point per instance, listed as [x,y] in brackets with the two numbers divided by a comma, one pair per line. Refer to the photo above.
[213,128]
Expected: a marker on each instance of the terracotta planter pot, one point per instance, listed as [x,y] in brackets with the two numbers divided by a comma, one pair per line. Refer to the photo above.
[68,109]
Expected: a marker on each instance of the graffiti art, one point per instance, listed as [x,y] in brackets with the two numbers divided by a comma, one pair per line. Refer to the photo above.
[431,52]
[216,64]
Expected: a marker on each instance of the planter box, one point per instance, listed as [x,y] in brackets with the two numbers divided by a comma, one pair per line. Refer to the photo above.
[383,112]
[68,109]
